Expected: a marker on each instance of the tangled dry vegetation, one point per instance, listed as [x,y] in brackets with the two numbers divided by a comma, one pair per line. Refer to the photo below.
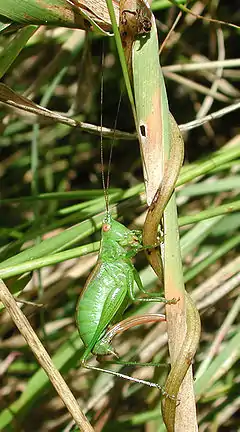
[51,192]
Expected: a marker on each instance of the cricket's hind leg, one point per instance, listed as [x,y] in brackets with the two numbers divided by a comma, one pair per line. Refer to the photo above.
[121,327]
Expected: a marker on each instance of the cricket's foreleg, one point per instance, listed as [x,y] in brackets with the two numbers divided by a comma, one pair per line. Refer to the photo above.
[140,247]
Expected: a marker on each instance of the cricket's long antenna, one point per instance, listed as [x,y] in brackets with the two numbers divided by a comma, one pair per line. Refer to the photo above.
[112,143]
[106,183]
[105,188]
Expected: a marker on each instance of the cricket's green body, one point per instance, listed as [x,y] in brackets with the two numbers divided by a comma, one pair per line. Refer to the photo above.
[109,286]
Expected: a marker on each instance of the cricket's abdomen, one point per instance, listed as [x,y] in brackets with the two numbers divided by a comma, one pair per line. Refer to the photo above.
[103,294]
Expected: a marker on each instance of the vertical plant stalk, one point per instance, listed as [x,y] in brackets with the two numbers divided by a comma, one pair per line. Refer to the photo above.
[161,133]
[183,333]
[43,358]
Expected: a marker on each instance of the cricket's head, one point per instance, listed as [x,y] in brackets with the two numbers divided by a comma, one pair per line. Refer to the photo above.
[117,232]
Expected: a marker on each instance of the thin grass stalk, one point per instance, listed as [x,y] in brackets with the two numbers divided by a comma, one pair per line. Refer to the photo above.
[152,111]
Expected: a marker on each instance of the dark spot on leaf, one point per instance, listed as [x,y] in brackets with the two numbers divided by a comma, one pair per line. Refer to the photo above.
[143,130]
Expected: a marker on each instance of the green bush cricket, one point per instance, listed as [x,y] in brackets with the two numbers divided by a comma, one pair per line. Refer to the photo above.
[109,288]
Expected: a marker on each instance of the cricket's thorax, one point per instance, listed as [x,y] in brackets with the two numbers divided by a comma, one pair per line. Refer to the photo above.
[106,292]
[113,251]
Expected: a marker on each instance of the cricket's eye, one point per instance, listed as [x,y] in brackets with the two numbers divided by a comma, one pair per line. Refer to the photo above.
[106,227]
